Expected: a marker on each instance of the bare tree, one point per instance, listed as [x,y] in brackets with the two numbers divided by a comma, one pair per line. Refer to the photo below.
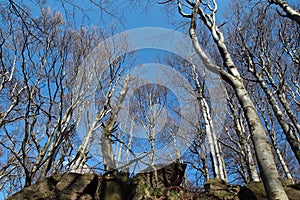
[44,91]
[273,135]
[230,73]
[289,11]
[268,65]
[215,151]
[237,138]
[44,118]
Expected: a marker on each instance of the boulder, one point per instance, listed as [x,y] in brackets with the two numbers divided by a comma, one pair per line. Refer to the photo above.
[167,176]
[221,189]
[147,187]
[256,191]
[116,186]
[66,186]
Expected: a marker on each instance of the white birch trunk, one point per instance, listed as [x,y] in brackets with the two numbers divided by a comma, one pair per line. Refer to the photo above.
[215,149]
[288,129]
[248,154]
[263,150]
[222,164]
[106,136]
[251,166]
[280,158]
[290,11]
[211,147]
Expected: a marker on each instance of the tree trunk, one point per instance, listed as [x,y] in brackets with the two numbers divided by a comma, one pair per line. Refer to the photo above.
[268,170]
[211,145]
[280,157]
[215,149]
[288,129]
[248,154]
[289,11]
[250,162]
[110,126]
[262,148]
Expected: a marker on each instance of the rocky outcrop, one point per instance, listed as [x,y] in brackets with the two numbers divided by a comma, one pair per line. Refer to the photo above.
[143,186]
[67,186]
[105,187]
[252,191]
[149,185]
[221,189]
[256,191]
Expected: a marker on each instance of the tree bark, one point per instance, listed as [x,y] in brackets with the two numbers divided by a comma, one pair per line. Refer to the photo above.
[288,129]
[263,150]
[289,11]
[106,138]
[280,157]
[215,149]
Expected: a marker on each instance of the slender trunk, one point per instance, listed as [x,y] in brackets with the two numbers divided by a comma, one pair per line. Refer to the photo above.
[263,150]
[268,170]
[244,169]
[217,153]
[177,151]
[83,149]
[205,170]
[129,141]
[202,155]
[152,143]
[222,164]
[248,154]
[288,129]
[245,146]
[109,128]
[215,149]
[250,162]
[280,157]
[209,136]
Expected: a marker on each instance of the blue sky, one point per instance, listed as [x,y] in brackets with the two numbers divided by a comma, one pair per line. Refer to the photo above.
[152,15]
[156,16]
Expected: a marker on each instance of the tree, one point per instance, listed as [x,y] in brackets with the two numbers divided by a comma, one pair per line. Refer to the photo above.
[44,90]
[215,151]
[267,65]
[62,90]
[264,155]
[44,119]
[289,11]
[204,123]
[237,139]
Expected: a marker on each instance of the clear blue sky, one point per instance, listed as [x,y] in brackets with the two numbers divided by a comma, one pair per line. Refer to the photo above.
[156,16]
[153,15]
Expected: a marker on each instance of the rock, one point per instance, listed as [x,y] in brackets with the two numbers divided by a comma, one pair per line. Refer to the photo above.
[216,184]
[293,191]
[66,186]
[117,186]
[74,185]
[221,189]
[170,175]
[256,190]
